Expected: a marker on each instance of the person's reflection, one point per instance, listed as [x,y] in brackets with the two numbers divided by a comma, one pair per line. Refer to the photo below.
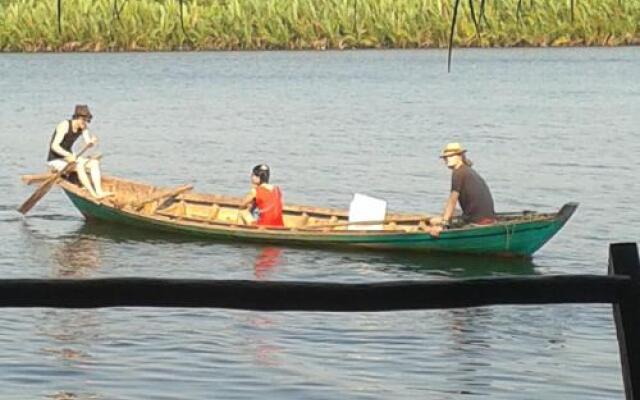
[470,348]
[69,336]
[469,327]
[263,324]
[267,260]
[65,337]
[71,333]
[261,345]
[77,257]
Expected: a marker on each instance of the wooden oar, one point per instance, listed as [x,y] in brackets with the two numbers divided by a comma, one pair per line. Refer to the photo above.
[48,184]
[172,193]
[38,178]
[383,222]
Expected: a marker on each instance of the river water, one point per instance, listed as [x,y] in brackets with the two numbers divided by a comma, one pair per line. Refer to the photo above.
[543,126]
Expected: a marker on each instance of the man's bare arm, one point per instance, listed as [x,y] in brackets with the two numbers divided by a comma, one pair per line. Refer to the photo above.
[450,206]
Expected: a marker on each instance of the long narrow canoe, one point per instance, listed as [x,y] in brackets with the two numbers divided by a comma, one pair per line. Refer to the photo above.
[216,217]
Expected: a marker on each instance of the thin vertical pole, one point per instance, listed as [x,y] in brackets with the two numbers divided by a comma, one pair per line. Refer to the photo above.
[482,2]
[519,11]
[623,260]
[182,21]
[453,29]
[473,17]
[572,10]
[355,16]
[59,16]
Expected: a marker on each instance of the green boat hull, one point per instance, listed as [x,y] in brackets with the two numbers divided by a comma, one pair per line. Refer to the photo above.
[522,238]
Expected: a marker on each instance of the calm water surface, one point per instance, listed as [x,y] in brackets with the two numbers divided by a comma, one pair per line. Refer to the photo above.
[543,126]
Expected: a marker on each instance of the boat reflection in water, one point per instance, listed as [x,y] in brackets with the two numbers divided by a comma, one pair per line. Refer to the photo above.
[269,258]
[456,265]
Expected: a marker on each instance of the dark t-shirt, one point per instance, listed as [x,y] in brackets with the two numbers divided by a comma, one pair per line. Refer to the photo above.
[475,197]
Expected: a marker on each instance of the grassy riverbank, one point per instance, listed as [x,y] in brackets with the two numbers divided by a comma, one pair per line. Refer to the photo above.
[93,25]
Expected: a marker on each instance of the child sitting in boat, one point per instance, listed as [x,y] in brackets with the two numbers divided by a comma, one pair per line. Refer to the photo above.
[263,204]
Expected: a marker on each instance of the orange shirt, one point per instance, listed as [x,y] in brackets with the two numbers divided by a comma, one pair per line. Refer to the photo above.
[269,202]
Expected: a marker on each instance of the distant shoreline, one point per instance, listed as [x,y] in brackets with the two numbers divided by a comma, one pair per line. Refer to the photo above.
[353,49]
[222,25]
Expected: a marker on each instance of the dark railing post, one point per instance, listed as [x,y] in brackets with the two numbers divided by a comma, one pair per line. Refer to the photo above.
[623,260]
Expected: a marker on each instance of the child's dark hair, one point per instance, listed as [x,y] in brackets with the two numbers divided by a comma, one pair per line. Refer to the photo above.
[262,172]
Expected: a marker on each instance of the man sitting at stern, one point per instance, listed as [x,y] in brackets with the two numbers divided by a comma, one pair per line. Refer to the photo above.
[468,188]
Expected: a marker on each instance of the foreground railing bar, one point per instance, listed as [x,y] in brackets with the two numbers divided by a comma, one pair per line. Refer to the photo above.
[624,260]
[313,296]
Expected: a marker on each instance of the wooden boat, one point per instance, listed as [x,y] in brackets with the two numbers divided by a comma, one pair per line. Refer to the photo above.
[216,217]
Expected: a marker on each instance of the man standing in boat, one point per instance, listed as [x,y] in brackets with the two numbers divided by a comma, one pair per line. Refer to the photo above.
[61,153]
[468,188]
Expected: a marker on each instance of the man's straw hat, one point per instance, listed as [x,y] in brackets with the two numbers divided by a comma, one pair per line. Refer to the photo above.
[82,110]
[452,149]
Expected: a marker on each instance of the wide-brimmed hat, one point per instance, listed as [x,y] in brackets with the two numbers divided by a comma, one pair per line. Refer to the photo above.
[82,111]
[452,149]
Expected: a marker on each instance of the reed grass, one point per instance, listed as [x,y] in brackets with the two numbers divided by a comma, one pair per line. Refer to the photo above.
[94,25]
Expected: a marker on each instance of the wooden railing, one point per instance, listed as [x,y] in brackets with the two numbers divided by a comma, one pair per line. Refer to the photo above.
[621,287]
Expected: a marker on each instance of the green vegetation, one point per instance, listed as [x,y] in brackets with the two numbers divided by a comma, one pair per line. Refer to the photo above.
[94,25]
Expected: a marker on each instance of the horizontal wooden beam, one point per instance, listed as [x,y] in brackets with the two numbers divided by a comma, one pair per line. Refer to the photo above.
[308,296]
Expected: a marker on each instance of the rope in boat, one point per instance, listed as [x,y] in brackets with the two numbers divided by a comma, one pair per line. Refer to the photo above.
[509,230]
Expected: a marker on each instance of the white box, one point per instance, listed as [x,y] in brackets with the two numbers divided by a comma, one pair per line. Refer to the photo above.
[366,208]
